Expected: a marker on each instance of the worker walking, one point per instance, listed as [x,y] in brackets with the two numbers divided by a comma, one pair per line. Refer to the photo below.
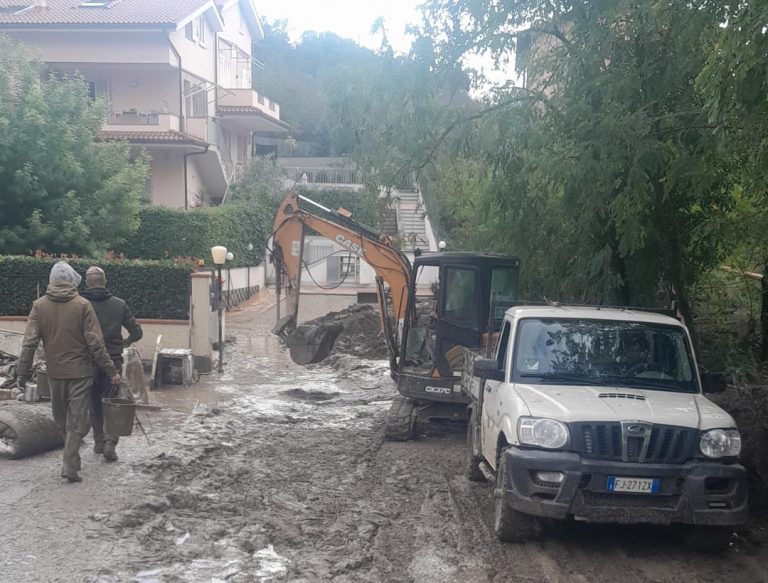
[72,340]
[113,314]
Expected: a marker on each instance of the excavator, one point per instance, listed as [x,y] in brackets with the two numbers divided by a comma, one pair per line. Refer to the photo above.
[428,337]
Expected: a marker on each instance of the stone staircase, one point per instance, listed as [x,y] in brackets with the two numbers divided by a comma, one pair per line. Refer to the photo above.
[411,226]
[388,221]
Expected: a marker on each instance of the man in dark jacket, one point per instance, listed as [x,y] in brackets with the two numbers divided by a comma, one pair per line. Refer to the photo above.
[114,315]
[72,339]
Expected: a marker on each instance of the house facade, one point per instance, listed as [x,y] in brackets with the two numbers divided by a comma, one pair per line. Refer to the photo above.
[176,75]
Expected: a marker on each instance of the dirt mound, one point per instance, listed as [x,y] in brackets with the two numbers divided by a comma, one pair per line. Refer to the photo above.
[355,330]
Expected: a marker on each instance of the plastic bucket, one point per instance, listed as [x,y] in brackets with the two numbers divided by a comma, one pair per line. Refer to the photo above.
[118,416]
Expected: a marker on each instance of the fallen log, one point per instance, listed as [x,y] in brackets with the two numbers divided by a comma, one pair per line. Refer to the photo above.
[27,429]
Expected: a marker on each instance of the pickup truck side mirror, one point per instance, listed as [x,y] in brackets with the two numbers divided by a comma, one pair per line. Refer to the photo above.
[488,369]
[712,382]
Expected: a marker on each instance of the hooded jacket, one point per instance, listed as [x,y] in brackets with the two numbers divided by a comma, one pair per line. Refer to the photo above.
[114,315]
[71,335]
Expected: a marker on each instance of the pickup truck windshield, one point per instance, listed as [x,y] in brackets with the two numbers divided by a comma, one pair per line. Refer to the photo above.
[603,352]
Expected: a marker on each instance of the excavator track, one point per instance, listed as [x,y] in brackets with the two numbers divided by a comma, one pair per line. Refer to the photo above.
[401,419]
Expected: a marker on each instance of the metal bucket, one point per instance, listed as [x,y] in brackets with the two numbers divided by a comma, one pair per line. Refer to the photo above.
[118,416]
[30,392]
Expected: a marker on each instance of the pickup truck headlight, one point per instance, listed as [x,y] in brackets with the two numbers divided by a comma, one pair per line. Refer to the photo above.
[546,433]
[717,443]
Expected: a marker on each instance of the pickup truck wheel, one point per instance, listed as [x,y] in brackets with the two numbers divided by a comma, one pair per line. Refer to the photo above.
[472,461]
[708,539]
[401,419]
[509,525]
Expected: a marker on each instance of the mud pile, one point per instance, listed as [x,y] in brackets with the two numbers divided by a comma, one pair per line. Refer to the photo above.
[354,331]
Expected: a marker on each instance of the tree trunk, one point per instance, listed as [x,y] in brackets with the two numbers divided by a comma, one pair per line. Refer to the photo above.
[764,314]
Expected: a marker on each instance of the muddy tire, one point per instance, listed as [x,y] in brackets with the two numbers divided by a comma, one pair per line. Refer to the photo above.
[509,525]
[471,460]
[708,539]
[401,419]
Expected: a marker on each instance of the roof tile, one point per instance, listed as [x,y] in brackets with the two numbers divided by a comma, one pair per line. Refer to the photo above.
[116,12]
[169,137]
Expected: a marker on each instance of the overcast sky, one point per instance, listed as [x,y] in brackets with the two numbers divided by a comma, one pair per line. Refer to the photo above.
[347,18]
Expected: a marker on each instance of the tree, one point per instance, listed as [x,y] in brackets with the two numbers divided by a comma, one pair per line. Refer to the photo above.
[734,83]
[605,173]
[302,76]
[60,190]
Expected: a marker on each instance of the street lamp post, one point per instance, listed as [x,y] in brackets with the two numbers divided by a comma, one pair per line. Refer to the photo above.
[219,255]
[230,259]
[248,269]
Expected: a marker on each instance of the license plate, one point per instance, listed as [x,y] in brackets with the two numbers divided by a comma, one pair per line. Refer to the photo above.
[636,485]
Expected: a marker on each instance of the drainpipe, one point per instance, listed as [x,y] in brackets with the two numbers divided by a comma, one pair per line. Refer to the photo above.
[182,118]
[216,74]
[187,155]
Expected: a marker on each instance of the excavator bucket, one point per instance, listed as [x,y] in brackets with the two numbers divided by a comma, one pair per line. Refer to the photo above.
[311,344]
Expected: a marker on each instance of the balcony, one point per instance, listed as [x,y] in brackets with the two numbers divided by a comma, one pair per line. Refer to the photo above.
[202,128]
[248,98]
[141,121]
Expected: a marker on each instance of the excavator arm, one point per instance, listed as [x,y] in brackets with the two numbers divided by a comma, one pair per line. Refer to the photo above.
[389,264]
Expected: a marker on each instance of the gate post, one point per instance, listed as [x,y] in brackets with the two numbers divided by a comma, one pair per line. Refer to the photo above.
[200,320]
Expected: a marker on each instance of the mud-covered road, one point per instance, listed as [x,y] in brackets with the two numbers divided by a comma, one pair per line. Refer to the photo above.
[280,473]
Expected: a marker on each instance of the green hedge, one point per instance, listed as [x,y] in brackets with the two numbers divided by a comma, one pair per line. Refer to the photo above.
[153,289]
[166,233]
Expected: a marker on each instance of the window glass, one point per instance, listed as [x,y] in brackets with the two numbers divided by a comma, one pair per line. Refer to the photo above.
[504,284]
[459,307]
[604,352]
[196,95]
[501,350]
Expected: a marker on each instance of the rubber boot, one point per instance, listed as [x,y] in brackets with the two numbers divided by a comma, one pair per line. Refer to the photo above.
[72,456]
[109,451]
[98,447]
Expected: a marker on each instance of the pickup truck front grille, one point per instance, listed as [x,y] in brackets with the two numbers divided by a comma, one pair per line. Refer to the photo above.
[634,442]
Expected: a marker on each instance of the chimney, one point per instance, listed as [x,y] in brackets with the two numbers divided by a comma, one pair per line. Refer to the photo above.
[40,5]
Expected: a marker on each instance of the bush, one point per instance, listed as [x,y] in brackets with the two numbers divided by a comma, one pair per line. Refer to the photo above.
[166,233]
[153,289]
[726,307]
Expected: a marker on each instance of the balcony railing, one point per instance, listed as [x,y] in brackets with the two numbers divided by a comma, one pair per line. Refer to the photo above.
[310,175]
[149,121]
[248,98]
[233,170]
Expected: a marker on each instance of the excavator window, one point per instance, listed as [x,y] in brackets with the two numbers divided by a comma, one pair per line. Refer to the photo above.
[460,307]
[504,284]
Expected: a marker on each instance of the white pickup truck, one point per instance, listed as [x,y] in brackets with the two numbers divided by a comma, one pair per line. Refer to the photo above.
[598,415]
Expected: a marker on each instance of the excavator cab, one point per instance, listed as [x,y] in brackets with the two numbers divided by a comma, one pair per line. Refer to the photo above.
[456,302]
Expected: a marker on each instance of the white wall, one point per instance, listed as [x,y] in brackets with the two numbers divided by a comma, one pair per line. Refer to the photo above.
[198,59]
[240,277]
[236,30]
[98,47]
[175,334]
[195,183]
[145,90]
[167,177]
